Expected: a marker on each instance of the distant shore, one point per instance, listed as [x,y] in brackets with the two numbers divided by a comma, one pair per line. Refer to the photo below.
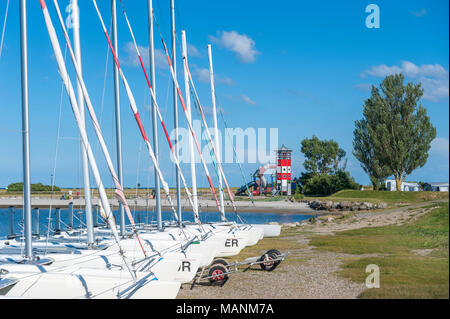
[280,206]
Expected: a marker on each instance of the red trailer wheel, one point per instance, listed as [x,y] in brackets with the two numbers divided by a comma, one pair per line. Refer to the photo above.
[218,274]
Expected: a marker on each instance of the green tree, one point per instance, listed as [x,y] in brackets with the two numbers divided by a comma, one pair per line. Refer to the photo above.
[398,127]
[324,175]
[364,153]
[336,153]
[329,184]
[322,156]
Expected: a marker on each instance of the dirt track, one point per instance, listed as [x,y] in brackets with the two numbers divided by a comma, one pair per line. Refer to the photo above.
[306,273]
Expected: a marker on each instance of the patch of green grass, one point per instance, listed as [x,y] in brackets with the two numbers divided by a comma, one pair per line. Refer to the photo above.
[403,277]
[403,274]
[389,197]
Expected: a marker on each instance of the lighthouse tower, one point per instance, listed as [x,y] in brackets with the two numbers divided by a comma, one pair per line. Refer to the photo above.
[284,170]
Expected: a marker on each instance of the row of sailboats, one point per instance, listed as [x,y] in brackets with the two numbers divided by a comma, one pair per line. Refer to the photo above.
[126,261]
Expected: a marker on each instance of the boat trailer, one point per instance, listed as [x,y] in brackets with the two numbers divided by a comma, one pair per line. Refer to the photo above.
[217,273]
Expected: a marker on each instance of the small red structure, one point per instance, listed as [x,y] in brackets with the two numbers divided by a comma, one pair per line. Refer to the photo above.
[284,170]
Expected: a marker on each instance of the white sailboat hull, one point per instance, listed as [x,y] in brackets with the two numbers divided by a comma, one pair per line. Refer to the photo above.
[269,230]
[47,282]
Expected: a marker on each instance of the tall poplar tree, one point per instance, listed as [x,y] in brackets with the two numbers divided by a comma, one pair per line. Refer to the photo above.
[364,153]
[398,129]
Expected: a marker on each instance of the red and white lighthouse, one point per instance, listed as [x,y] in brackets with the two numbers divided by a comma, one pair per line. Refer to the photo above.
[284,170]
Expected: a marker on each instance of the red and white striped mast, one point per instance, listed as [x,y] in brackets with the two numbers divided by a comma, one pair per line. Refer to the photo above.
[136,114]
[157,110]
[73,102]
[183,105]
[119,189]
[184,109]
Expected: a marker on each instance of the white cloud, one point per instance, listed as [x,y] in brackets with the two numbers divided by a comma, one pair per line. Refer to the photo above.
[440,145]
[131,58]
[435,89]
[420,13]
[240,98]
[240,44]
[382,70]
[202,75]
[193,51]
[224,80]
[434,77]
[209,111]
[247,100]
[412,70]
[161,59]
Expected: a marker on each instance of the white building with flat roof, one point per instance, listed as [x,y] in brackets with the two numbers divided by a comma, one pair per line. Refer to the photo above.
[415,187]
[439,187]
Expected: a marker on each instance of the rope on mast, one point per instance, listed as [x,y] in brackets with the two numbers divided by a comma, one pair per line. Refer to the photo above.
[188,121]
[4,27]
[211,153]
[230,194]
[250,195]
[175,157]
[74,104]
[119,189]
[136,114]
[55,160]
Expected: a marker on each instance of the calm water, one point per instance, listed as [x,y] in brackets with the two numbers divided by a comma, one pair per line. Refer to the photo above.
[143,217]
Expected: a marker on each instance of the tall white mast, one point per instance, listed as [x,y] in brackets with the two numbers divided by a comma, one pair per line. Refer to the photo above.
[216,131]
[155,127]
[87,187]
[188,107]
[117,112]
[73,102]
[175,108]
[25,131]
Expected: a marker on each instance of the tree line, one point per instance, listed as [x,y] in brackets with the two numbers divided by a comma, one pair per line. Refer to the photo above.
[38,187]
[392,139]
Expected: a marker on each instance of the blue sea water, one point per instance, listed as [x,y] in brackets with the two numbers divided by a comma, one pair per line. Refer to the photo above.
[140,216]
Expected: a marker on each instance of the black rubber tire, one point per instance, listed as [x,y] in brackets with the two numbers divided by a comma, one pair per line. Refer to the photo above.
[276,252]
[220,261]
[269,265]
[219,273]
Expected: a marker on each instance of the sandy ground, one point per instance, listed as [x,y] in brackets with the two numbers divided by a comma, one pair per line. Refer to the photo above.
[204,204]
[306,273]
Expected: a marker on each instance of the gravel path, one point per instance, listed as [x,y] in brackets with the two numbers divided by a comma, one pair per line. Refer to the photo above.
[312,278]
[306,273]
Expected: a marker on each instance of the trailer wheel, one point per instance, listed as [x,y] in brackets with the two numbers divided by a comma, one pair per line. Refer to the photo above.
[218,274]
[268,263]
[220,261]
[276,252]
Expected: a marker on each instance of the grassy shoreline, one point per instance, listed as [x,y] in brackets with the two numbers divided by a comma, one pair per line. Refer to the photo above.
[413,258]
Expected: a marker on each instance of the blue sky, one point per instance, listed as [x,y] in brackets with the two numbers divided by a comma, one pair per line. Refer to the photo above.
[302,67]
